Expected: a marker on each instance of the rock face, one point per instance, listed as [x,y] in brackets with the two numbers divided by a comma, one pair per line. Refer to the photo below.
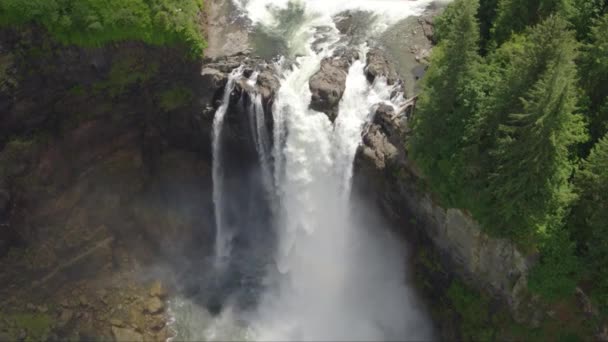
[385,171]
[328,84]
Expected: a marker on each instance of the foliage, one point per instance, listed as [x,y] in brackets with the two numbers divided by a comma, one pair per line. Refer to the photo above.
[514,16]
[501,133]
[557,273]
[525,131]
[473,309]
[593,68]
[126,72]
[445,106]
[98,22]
[590,215]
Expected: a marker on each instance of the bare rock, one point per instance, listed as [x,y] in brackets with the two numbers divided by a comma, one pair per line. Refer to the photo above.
[126,335]
[328,85]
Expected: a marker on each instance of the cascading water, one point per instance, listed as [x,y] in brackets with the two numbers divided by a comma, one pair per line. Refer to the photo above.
[335,276]
[222,236]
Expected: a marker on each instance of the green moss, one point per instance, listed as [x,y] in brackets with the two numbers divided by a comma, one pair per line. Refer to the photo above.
[125,73]
[175,98]
[36,325]
[93,23]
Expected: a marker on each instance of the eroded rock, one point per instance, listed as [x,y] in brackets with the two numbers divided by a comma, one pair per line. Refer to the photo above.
[328,84]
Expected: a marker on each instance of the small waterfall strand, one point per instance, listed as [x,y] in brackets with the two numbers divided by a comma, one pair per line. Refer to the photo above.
[222,235]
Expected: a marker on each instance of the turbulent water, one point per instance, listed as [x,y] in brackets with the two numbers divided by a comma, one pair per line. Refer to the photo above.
[334,274]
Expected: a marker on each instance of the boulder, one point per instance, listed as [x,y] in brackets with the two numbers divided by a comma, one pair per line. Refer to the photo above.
[328,84]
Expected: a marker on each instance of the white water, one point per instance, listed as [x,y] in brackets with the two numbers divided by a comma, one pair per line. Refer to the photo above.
[261,139]
[339,277]
[223,236]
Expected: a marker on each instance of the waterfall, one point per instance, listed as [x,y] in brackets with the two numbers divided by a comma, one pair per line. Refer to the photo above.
[222,235]
[336,275]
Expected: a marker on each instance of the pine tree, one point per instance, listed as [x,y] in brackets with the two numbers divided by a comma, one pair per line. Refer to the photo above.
[529,127]
[594,78]
[445,105]
[513,16]
[589,220]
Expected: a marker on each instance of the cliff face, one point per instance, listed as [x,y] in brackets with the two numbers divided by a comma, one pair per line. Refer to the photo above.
[104,169]
[386,174]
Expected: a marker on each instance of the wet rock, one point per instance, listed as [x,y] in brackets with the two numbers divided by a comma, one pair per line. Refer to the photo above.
[158,290]
[126,335]
[328,84]
[154,305]
[378,65]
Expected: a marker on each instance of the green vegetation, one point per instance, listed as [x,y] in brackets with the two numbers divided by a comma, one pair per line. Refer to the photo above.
[126,72]
[512,126]
[99,22]
[175,98]
[474,309]
[37,326]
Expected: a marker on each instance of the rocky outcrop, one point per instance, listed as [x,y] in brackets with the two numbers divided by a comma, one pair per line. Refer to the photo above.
[493,264]
[378,65]
[328,84]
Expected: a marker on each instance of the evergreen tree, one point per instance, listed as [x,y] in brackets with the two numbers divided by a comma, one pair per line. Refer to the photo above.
[585,13]
[529,126]
[445,105]
[486,16]
[594,78]
[513,16]
[590,217]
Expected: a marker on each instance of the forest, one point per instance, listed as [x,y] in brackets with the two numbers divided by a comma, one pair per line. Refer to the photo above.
[511,126]
[93,23]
